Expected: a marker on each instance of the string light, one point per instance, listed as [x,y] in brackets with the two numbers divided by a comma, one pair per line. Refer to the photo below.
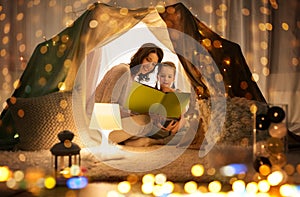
[12,179]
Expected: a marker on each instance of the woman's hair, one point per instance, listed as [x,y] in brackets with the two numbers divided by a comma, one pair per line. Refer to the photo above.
[143,52]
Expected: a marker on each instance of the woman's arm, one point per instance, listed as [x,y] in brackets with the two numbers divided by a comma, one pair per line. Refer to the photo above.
[114,87]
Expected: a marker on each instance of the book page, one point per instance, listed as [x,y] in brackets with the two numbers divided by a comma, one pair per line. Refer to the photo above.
[145,99]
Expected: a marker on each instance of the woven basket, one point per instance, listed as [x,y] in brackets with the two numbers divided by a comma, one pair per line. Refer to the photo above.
[38,120]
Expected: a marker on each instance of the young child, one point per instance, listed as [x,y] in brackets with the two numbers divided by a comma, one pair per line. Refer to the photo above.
[186,136]
[165,82]
[166,77]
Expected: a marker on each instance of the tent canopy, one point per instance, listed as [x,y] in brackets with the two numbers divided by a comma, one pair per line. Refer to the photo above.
[213,65]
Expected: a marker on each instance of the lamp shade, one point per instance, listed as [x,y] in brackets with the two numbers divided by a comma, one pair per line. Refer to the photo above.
[106,116]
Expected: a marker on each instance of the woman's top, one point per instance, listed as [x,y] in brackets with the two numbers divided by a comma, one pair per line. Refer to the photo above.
[147,79]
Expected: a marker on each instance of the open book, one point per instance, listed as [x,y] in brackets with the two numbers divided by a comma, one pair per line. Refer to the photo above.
[145,99]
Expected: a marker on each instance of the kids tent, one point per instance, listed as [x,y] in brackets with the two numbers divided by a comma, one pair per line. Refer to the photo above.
[70,60]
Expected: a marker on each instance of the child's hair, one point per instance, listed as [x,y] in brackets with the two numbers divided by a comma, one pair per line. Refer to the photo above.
[166,64]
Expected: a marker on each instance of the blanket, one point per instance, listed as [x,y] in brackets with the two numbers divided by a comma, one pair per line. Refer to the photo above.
[118,164]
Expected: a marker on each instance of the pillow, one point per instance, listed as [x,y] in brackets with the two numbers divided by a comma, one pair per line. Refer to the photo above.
[38,120]
[238,121]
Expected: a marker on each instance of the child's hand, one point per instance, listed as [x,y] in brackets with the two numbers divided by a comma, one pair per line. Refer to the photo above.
[166,89]
[175,125]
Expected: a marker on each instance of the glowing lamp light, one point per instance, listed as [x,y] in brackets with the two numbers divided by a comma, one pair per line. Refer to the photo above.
[78,182]
[105,118]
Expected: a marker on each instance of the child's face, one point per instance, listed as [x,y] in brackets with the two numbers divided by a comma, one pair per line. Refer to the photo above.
[166,76]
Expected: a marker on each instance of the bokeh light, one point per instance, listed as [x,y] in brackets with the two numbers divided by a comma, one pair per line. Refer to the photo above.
[5,173]
[190,187]
[264,186]
[215,186]
[50,182]
[197,170]
[23,28]
[124,187]
[275,178]
[239,186]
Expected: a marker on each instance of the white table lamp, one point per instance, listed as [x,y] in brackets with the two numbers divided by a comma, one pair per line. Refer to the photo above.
[105,118]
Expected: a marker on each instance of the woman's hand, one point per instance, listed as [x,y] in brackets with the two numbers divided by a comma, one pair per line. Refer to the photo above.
[175,125]
[157,120]
[172,126]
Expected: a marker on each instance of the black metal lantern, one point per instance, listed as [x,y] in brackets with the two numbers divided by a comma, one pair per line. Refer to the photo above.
[65,153]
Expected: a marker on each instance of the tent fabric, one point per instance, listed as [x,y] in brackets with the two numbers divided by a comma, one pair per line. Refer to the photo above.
[55,63]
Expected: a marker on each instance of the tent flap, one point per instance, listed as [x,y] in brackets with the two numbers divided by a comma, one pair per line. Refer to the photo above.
[54,63]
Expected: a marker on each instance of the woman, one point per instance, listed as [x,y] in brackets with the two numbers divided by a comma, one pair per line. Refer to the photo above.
[115,86]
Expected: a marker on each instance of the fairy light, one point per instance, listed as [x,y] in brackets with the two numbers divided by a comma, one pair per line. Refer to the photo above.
[12,183]
[263,186]
[49,182]
[275,178]
[215,186]
[158,190]
[288,190]
[202,189]
[233,169]
[211,171]
[18,175]
[160,178]
[252,188]
[289,169]
[190,187]
[75,170]
[4,173]
[132,179]
[124,187]
[197,170]
[111,193]
[148,178]
[66,172]
[77,182]
[147,188]
[265,170]
[168,187]
[239,186]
